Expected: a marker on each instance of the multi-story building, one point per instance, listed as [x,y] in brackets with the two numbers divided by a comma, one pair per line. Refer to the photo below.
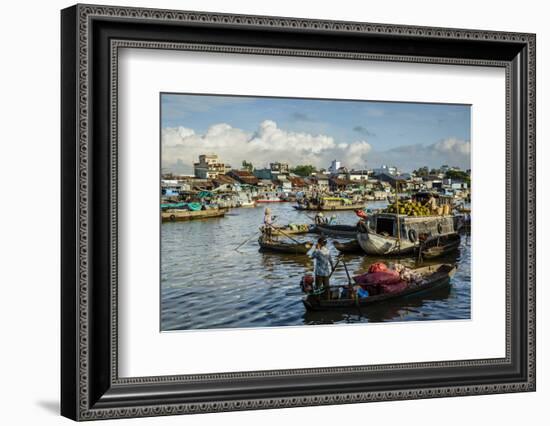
[359,174]
[385,169]
[279,168]
[209,167]
[264,173]
[273,172]
[334,167]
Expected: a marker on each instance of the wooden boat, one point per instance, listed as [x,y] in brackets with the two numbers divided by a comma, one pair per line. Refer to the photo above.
[441,246]
[344,231]
[330,204]
[348,247]
[288,230]
[269,197]
[463,222]
[379,234]
[435,277]
[176,215]
[284,247]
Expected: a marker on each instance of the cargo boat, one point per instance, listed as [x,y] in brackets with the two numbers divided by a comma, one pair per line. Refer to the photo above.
[180,215]
[391,234]
[434,277]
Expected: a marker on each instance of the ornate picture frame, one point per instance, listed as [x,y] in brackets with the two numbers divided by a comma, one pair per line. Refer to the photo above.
[91,38]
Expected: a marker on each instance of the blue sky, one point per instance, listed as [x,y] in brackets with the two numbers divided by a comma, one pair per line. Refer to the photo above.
[363,133]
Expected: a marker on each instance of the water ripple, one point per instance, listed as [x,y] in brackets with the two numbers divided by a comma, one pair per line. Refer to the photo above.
[206,284]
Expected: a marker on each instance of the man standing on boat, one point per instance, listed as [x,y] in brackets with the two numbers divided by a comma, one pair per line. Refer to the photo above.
[268,224]
[323,266]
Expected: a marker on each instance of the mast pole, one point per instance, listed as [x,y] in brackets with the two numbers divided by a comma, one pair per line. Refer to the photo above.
[397,209]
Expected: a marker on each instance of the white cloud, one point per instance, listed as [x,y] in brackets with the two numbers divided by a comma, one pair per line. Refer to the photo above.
[181,147]
[451,151]
[453,146]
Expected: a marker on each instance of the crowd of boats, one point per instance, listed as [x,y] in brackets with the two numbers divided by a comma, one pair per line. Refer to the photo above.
[206,204]
[424,226]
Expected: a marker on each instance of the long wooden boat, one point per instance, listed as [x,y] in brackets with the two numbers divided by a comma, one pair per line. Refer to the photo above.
[330,208]
[435,277]
[269,198]
[348,247]
[288,230]
[344,231]
[247,204]
[330,204]
[176,215]
[284,247]
[441,246]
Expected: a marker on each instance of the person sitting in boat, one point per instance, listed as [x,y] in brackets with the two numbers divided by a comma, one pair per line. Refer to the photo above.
[320,218]
[323,266]
[269,219]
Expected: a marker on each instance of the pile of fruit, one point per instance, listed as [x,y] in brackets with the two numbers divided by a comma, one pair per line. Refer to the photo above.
[410,208]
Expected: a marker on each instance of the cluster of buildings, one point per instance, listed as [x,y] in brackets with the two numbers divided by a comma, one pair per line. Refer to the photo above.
[211,174]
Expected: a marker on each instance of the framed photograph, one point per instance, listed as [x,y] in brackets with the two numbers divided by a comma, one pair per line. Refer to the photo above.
[263,212]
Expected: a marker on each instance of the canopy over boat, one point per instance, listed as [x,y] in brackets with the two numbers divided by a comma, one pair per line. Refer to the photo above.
[185,206]
[390,234]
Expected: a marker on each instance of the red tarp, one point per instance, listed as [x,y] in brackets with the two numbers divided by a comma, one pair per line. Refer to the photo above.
[384,282]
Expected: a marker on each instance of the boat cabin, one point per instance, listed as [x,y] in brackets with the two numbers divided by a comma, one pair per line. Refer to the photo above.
[385,224]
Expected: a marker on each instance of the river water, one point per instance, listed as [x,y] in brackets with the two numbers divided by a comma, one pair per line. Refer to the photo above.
[206,283]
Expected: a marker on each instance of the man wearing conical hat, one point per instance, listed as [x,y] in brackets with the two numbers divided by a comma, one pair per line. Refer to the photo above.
[268,223]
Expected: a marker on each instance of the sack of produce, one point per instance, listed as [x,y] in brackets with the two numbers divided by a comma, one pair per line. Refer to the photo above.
[378,267]
[378,278]
[373,290]
[393,288]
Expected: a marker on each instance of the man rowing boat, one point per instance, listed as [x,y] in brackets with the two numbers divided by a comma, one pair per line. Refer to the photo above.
[323,266]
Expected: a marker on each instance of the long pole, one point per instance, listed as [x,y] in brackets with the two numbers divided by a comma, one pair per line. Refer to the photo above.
[283,233]
[334,269]
[346,268]
[397,208]
[245,241]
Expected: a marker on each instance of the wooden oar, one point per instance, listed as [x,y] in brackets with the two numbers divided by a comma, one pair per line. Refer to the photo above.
[351,284]
[347,272]
[284,233]
[334,269]
[245,241]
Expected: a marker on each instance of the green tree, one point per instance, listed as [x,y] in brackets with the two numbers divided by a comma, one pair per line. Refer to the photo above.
[422,171]
[247,166]
[304,170]
[458,175]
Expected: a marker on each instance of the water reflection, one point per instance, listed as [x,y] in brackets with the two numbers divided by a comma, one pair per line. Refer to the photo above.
[401,309]
[206,283]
